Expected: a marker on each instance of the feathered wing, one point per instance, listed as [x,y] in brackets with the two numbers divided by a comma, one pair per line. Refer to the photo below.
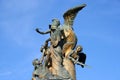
[70,15]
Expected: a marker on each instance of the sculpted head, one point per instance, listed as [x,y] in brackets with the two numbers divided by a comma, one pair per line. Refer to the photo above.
[79,48]
[55,24]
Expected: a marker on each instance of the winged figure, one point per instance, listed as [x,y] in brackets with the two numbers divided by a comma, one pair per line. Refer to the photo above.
[70,37]
[62,38]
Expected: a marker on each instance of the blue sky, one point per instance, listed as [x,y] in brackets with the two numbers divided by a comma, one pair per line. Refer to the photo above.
[97,27]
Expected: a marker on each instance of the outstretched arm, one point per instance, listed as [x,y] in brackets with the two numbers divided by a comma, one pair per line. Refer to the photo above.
[37,30]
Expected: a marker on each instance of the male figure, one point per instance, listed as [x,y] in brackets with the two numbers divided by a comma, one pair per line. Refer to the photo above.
[36,64]
[56,39]
[54,31]
[55,36]
[77,56]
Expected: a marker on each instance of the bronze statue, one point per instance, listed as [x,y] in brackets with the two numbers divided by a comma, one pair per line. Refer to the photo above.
[55,48]
[77,56]
[60,56]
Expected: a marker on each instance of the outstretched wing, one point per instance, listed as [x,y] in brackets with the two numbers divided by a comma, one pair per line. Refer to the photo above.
[70,15]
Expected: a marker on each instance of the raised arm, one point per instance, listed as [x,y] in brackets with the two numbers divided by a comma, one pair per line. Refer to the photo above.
[37,30]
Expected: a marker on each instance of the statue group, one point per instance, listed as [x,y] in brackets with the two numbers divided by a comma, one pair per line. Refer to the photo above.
[60,52]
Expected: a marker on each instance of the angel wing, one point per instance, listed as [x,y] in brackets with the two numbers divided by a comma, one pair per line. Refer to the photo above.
[70,15]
